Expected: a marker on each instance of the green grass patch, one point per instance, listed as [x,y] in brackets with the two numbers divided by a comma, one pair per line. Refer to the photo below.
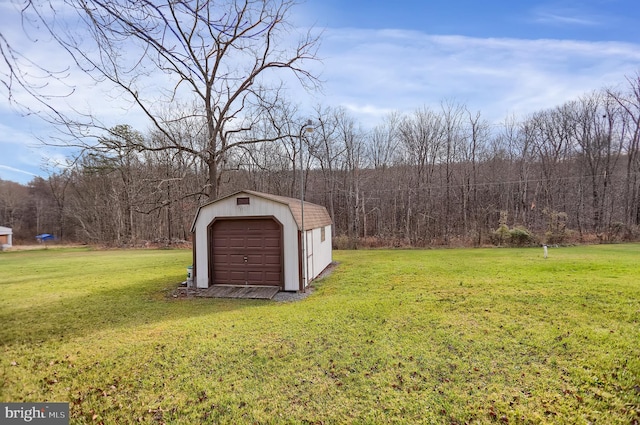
[406,336]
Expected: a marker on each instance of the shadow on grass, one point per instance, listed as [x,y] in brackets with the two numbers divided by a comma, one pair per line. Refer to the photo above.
[137,304]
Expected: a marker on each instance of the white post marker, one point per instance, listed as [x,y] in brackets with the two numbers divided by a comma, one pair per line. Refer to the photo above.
[544,247]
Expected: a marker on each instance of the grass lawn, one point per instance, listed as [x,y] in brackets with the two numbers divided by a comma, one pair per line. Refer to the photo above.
[406,336]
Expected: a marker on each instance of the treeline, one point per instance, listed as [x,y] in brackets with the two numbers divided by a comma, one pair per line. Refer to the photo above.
[436,176]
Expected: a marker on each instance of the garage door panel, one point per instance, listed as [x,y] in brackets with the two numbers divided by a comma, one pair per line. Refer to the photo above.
[271,243]
[259,241]
[235,259]
[237,242]
[224,275]
[220,258]
[261,278]
[237,276]
[271,260]
[272,276]
[223,243]
[255,276]
[255,242]
[220,242]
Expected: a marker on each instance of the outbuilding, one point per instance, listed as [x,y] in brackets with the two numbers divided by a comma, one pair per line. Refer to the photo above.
[6,237]
[251,238]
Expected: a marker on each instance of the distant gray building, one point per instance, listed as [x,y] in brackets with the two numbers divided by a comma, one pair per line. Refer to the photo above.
[6,237]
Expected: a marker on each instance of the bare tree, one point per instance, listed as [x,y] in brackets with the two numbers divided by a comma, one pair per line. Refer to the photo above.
[352,165]
[629,101]
[549,132]
[274,165]
[117,155]
[222,57]
[422,138]
[518,144]
[595,122]
[476,138]
[327,148]
[382,150]
[12,200]
[384,142]
[20,75]
[452,117]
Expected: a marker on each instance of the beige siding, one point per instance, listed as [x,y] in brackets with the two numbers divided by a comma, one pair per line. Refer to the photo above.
[319,253]
[287,212]
[6,235]
[257,207]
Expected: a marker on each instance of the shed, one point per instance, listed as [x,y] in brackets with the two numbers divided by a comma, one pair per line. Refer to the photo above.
[251,238]
[6,237]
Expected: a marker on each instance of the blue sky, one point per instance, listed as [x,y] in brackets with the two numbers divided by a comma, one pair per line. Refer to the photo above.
[592,20]
[497,57]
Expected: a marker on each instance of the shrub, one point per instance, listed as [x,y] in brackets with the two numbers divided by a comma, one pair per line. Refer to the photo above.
[344,242]
[616,231]
[520,236]
[557,226]
[501,235]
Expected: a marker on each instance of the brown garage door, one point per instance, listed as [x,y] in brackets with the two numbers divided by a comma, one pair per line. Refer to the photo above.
[246,252]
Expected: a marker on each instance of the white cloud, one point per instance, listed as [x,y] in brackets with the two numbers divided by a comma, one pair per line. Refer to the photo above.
[373,72]
[16,174]
[557,19]
[16,170]
[367,109]
[370,72]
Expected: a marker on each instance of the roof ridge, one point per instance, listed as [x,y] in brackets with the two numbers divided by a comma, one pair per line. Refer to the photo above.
[315,215]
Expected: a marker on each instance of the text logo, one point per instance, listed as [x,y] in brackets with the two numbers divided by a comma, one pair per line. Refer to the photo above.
[34,413]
